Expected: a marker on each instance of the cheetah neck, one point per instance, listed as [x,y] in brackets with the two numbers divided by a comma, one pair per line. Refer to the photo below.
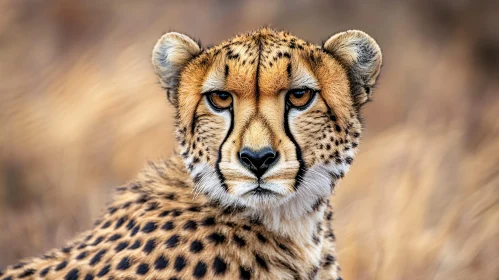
[305,219]
[308,229]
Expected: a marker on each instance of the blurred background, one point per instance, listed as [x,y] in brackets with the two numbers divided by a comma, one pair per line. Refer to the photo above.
[81,112]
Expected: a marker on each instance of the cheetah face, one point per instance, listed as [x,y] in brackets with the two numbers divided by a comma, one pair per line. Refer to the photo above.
[267,119]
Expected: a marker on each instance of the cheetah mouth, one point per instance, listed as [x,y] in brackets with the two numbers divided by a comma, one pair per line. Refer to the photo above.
[259,191]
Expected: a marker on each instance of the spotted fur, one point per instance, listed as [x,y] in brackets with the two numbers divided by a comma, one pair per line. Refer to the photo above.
[197,215]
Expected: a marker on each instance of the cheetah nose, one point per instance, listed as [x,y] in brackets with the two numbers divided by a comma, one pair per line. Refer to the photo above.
[258,161]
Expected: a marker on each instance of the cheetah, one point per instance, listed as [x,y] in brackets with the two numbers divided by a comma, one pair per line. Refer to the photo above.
[267,124]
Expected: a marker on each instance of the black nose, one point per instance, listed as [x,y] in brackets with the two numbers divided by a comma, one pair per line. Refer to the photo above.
[258,161]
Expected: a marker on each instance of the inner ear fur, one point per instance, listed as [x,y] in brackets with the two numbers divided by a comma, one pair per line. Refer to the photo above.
[170,55]
[361,57]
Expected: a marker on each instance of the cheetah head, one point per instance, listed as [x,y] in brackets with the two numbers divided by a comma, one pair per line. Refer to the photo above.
[267,120]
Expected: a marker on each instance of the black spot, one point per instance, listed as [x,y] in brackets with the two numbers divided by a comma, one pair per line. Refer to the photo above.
[160,263]
[143,199]
[112,210]
[247,227]
[44,271]
[226,71]
[356,135]
[210,221]
[329,216]
[149,227]
[244,273]
[180,263]
[106,224]
[97,257]
[61,265]
[31,271]
[82,255]
[173,241]
[135,245]
[190,225]
[72,274]
[124,264]
[316,239]
[134,230]
[261,262]
[337,128]
[216,238]
[170,196]
[104,270]
[313,273]
[150,245]
[130,224]
[312,58]
[19,265]
[194,209]
[287,55]
[329,259]
[349,160]
[114,237]
[288,70]
[168,226]
[98,240]
[332,116]
[142,269]
[126,205]
[285,249]
[219,266]
[120,222]
[152,206]
[89,277]
[261,238]
[176,212]
[317,204]
[121,246]
[199,270]
[196,246]
[239,241]
[66,249]
[164,213]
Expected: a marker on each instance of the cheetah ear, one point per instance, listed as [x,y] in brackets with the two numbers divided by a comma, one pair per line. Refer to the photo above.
[361,55]
[170,55]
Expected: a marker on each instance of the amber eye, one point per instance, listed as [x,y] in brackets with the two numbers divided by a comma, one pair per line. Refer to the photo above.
[300,98]
[220,100]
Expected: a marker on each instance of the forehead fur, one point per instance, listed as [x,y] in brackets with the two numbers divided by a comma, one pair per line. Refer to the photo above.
[262,64]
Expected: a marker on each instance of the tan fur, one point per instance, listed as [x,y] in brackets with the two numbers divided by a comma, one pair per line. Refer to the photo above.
[195,207]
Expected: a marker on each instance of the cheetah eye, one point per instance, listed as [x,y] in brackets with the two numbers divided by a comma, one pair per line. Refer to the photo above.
[219,100]
[300,98]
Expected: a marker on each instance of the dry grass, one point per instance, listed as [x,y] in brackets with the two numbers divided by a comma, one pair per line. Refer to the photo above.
[80,112]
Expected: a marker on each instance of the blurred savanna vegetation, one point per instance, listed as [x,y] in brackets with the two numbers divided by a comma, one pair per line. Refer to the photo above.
[81,112]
